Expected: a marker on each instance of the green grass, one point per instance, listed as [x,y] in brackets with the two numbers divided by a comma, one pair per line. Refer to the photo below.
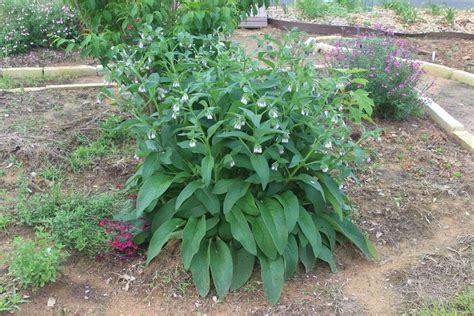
[462,304]
[109,142]
[13,83]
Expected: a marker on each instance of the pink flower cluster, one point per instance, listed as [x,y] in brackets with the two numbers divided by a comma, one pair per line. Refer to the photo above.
[121,239]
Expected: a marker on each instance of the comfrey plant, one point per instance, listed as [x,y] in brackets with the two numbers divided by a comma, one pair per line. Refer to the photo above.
[243,159]
[393,78]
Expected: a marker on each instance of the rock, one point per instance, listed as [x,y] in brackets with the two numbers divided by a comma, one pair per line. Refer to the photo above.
[51,302]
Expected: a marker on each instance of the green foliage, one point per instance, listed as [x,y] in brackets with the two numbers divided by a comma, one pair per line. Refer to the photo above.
[317,8]
[462,304]
[71,219]
[110,23]
[5,220]
[9,297]
[403,8]
[392,79]
[435,9]
[36,23]
[35,262]
[450,15]
[243,162]
[108,141]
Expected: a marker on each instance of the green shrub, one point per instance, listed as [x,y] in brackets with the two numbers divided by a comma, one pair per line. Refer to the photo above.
[110,23]
[317,8]
[36,23]
[450,15]
[71,219]
[35,262]
[242,162]
[403,8]
[392,82]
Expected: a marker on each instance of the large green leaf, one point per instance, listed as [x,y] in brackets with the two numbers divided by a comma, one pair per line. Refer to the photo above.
[291,257]
[243,267]
[209,200]
[326,255]
[307,257]
[262,237]
[273,277]
[312,181]
[353,233]
[151,190]
[207,164]
[222,186]
[234,193]
[260,166]
[247,204]
[240,230]
[161,237]
[188,191]
[193,233]
[326,228]
[200,268]
[164,213]
[291,207]
[221,267]
[309,230]
[274,218]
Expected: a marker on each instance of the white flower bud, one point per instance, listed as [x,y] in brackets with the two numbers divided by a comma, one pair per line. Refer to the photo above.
[192,143]
[257,149]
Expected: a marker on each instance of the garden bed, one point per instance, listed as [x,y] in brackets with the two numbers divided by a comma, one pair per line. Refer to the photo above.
[414,198]
[384,19]
[41,57]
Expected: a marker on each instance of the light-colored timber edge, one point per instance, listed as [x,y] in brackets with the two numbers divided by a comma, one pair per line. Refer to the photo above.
[74,86]
[51,72]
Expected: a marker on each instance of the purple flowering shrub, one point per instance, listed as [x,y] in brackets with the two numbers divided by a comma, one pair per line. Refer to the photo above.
[393,78]
[35,23]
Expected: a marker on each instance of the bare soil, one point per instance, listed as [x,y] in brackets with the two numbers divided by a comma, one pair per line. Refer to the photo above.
[385,19]
[414,199]
[41,57]
[456,98]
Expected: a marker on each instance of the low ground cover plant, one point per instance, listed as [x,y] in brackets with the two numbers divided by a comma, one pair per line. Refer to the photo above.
[35,262]
[36,23]
[393,80]
[71,219]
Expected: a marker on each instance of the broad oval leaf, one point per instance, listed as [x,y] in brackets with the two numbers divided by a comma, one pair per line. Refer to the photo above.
[260,166]
[262,237]
[188,191]
[193,233]
[273,277]
[240,230]
[291,207]
[312,181]
[243,267]
[221,267]
[234,193]
[209,200]
[207,164]
[200,269]
[309,230]
[274,219]
[161,237]
[151,190]
[290,257]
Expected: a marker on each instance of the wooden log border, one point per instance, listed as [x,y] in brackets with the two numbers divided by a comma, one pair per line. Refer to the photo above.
[355,30]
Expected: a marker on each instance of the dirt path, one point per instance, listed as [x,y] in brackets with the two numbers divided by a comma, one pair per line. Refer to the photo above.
[456,98]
